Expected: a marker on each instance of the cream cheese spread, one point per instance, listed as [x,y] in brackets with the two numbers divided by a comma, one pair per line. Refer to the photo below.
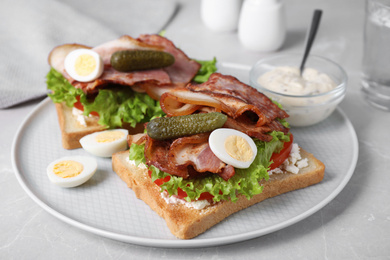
[79,116]
[141,165]
[198,204]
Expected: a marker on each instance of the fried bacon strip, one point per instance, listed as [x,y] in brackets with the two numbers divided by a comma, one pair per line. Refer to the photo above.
[249,111]
[186,157]
[259,132]
[154,82]
[226,94]
[195,151]
[184,69]
[136,139]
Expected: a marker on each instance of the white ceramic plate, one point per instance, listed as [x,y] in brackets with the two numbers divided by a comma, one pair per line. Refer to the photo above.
[106,206]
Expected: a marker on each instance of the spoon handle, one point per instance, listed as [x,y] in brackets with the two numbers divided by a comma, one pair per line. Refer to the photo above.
[312,34]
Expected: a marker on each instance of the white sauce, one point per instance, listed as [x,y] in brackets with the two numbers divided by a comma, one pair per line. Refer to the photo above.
[286,80]
[303,111]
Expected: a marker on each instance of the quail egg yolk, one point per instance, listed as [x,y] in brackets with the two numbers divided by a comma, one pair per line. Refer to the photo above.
[85,64]
[67,169]
[233,147]
[238,148]
[107,137]
[71,171]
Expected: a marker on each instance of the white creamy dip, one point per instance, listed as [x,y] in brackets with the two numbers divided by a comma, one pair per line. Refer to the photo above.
[287,80]
[301,95]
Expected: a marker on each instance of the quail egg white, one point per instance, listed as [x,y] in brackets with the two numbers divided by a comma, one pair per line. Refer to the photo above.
[233,147]
[84,65]
[71,171]
[105,143]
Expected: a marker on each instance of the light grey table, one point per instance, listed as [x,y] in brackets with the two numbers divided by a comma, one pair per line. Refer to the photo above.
[355,225]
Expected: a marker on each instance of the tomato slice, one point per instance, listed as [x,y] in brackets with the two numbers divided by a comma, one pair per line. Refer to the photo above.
[159,182]
[80,106]
[204,196]
[279,158]
[181,193]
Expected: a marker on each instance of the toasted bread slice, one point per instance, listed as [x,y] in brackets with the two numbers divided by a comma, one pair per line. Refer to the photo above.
[186,222]
[72,131]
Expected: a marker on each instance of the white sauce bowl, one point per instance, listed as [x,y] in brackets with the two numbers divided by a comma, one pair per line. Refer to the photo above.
[304,110]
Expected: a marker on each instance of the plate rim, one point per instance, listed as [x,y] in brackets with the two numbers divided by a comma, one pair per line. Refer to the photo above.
[192,243]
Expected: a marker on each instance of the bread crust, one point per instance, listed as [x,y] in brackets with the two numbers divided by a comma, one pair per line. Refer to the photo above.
[185,222]
[72,131]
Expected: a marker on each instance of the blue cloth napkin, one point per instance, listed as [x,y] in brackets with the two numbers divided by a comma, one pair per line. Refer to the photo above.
[31,29]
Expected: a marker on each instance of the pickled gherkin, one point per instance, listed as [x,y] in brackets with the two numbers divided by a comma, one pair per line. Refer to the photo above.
[130,60]
[172,127]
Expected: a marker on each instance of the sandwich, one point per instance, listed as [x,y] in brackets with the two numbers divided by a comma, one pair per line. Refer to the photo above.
[117,84]
[222,147]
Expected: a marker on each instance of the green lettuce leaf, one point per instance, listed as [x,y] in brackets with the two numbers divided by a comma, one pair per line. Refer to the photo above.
[136,154]
[62,90]
[122,105]
[114,105]
[208,67]
[245,181]
[282,121]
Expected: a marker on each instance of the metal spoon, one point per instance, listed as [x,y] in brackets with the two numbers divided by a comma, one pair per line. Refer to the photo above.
[311,35]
